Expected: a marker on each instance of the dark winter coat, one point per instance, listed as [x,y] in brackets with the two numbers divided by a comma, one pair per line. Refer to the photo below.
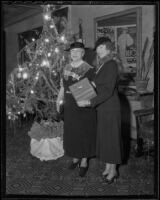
[108,112]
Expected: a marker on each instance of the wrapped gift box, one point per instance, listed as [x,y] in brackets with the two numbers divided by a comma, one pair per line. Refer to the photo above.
[82,90]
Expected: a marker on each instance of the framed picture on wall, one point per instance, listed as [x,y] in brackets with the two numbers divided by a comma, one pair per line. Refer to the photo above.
[126,46]
[106,31]
[60,17]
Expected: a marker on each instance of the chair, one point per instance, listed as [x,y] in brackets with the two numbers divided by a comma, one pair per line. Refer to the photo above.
[145,131]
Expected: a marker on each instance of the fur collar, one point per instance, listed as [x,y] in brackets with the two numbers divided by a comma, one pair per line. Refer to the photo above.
[105,59]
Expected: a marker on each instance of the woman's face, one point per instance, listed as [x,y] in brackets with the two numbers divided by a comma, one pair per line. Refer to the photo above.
[77,54]
[102,50]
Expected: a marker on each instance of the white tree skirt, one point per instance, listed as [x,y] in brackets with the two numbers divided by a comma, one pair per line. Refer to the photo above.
[47,149]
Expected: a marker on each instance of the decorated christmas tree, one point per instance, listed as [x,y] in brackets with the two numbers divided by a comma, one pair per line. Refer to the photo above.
[34,84]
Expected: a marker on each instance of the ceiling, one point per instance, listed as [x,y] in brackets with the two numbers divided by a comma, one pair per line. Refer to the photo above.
[18,11]
[15,12]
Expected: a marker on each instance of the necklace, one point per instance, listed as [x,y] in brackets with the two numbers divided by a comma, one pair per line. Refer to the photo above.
[77,64]
[99,68]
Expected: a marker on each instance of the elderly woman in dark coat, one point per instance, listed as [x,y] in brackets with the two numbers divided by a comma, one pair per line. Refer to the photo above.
[79,139]
[108,110]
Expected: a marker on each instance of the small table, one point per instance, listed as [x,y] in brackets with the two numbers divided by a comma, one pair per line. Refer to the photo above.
[146,100]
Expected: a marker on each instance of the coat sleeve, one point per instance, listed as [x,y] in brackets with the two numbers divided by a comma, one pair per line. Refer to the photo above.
[91,74]
[106,83]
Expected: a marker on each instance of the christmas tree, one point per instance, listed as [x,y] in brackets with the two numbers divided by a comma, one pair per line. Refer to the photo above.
[34,84]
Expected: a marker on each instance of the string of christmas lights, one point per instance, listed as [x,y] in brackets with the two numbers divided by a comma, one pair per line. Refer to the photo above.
[34,84]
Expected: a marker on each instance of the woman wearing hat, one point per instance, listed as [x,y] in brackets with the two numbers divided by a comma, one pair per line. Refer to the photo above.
[79,139]
[108,110]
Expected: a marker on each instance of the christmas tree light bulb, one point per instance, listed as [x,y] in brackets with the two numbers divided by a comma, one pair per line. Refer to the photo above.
[25,75]
[56,50]
[45,63]
[47,17]
[19,75]
[46,40]
[51,26]
[20,69]
[49,54]
[62,38]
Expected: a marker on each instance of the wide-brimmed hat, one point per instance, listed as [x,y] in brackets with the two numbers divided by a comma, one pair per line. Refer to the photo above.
[101,40]
[76,45]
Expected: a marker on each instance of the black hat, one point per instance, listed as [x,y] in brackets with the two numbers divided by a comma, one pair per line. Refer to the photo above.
[102,40]
[76,45]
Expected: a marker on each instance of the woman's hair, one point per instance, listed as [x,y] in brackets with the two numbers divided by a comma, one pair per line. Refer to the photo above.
[104,41]
[108,45]
[83,52]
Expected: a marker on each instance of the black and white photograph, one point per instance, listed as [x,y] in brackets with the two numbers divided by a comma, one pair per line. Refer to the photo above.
[79,91]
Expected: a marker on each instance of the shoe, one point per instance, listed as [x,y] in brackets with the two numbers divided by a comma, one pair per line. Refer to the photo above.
[104,176]
[73,165]
[112,180]
[83,171]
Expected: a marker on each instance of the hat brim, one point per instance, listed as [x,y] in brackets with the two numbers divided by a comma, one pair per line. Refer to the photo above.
[76,48]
